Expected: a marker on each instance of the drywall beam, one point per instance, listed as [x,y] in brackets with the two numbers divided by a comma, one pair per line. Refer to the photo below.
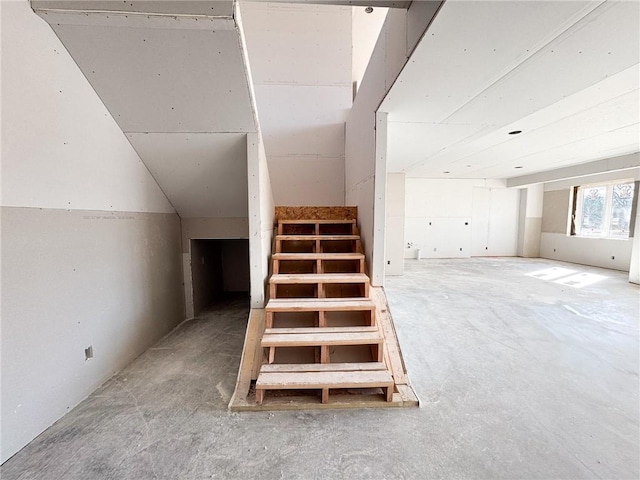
[613,164]
[350,3]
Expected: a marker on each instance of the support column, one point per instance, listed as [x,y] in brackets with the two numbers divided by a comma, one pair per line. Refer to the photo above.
[530,225]
[379,202]
[634,267]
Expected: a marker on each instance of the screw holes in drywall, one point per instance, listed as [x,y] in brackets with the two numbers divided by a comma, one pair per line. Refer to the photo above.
[88,352]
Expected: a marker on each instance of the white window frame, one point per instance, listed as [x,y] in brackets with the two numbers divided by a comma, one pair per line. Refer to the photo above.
[608,209]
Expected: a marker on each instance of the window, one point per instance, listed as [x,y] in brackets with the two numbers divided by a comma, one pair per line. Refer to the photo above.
[603,211]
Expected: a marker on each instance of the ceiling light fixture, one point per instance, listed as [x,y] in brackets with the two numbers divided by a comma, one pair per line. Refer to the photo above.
[368,10]
[515,132]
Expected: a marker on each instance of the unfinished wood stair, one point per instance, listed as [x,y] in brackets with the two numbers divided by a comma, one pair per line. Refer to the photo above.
[321,332]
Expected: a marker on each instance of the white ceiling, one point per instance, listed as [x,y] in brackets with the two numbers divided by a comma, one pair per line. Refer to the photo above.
[565,73]
[177,87]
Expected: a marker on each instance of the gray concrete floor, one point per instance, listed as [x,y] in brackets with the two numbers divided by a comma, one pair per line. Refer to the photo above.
[518,377]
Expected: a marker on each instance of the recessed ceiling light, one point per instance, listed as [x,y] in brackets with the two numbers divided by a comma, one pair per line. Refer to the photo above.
[515,132]
[517,167]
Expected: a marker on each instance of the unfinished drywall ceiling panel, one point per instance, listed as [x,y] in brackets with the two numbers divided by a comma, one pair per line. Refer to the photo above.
[301,66]
[203,174]
[174,79]
[51,119]
[568,80]
[217,8]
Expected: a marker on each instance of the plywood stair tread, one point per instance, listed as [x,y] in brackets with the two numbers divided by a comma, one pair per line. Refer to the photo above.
[318,304]
[322,367]
[313,222]
[346,336]
[331,379]
[324,380]
[317,237]
[318,256]
[306,278]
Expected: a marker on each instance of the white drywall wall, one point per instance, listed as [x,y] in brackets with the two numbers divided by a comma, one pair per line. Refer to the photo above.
[530,220]
[460,218]
[90,244]
[365,31]
[386,62]
[301,66]
[60,146]
[399,34]
[394,228]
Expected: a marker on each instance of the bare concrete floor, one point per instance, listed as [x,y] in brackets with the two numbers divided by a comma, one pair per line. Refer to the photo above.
[519,377]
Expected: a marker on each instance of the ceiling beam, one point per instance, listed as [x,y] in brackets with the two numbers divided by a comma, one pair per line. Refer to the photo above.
[349,3]
[624,162]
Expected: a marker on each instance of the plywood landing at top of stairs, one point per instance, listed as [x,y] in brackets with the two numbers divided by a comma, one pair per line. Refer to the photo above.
[316,213]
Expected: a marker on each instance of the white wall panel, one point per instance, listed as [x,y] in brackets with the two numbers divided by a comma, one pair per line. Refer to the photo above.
[597,252]
[307,180]
[503,222]
[481,213]
[298,44]
[445,216]
[301,65]
[60,146]
[303,120]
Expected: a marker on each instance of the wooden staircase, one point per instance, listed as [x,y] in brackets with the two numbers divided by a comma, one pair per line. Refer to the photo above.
[320,331]
[325,338]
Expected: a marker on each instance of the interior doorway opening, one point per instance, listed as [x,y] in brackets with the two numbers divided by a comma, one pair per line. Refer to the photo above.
[219,271]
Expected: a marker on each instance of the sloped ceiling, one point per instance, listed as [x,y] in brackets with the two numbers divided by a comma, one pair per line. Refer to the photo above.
[564,73]
[177,87]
